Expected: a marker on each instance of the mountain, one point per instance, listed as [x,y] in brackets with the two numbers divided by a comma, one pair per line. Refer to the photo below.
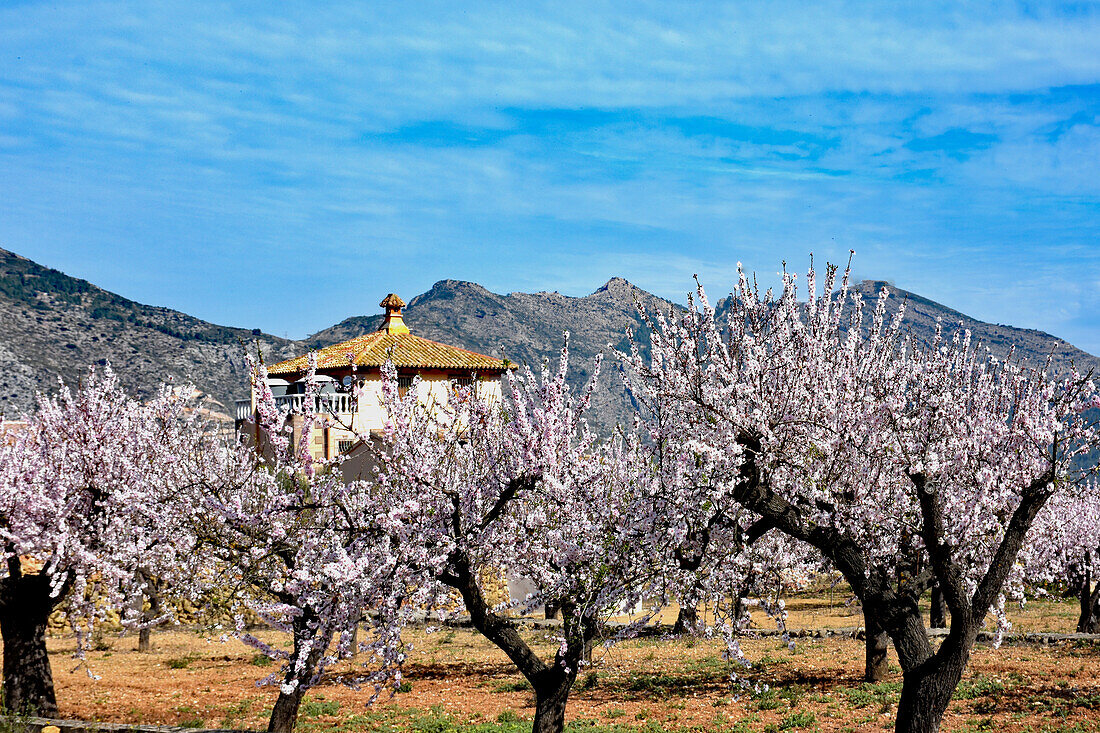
[527,328]
[922,314]
[55,326]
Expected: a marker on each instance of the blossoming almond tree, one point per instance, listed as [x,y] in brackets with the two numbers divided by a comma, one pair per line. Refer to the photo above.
[904,465]
[1068,553]
[475,488]
[82,490]
[717,553]
[274,530]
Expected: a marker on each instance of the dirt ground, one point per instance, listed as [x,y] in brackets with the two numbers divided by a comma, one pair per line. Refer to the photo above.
[456,681]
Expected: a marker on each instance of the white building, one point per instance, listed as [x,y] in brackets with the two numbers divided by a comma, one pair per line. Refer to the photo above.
[438,366]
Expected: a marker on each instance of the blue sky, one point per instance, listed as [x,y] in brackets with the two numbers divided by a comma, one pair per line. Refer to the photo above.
[284,165]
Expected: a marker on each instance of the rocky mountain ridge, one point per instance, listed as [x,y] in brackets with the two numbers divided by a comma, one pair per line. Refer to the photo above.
[56,325]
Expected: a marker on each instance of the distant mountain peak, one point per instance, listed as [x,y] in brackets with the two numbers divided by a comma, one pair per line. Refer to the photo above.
[615,286]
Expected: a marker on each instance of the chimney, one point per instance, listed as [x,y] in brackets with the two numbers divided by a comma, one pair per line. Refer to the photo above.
[394,323]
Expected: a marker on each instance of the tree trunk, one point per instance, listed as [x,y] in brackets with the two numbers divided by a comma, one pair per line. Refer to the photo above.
[687,620]
[877,643]
[152,592]
[926,689]
[1089,620]
[285,713]
[25,606]
[145,642]
[937,617]
[551,696]
[550,609]
[551,682]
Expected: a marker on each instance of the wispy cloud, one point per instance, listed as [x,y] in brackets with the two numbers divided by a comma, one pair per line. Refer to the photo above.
[217,157]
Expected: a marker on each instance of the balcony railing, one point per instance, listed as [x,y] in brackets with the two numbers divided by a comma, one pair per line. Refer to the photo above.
[324,404]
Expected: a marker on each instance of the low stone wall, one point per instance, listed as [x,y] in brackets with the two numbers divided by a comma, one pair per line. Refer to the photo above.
[19,724]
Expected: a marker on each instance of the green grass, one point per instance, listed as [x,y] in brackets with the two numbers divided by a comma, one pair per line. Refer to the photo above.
[315,708]
[797,721]
[520,685]
[979,686]
[437,720]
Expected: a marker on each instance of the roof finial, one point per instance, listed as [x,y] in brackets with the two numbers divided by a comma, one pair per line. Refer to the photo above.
[394,323]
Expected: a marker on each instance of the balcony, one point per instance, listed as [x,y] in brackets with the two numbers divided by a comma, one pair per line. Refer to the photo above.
[324,404]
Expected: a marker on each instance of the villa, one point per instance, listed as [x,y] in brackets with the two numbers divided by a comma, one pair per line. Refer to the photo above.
[438,366]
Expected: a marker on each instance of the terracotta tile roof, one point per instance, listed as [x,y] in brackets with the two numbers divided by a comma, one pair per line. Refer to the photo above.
[403,349]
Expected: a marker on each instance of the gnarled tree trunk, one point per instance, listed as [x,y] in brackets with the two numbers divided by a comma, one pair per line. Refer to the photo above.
[877,644]
[25,607]
[551,695]
[551,682]
[927,688]
[145,633]
[284,714]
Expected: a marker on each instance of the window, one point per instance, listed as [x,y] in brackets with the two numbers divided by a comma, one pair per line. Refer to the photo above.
[403,385]
[343,446]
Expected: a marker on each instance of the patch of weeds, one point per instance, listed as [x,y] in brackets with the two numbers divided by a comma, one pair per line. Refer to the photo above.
[766,700]
[882,694]
[651,727]
[192,723]
[235,713]
[792,694]
[405,686]
[509,716]
[983,724]
[979,686]
[314,708]
[767,661]
[260,660]
[798,720]
[589,682]
[520,685]
[448,638]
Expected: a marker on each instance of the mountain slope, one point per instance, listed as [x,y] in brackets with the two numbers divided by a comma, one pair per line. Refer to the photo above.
[1033,346]
[526,328]
[56,326]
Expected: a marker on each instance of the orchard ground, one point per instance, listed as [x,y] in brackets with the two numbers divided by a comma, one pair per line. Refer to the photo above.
[457,681]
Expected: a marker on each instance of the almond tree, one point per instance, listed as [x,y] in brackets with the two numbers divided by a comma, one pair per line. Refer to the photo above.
[473,488]
[1069,552]
[274,528]
[82,490]
[903,465]
[717,553]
